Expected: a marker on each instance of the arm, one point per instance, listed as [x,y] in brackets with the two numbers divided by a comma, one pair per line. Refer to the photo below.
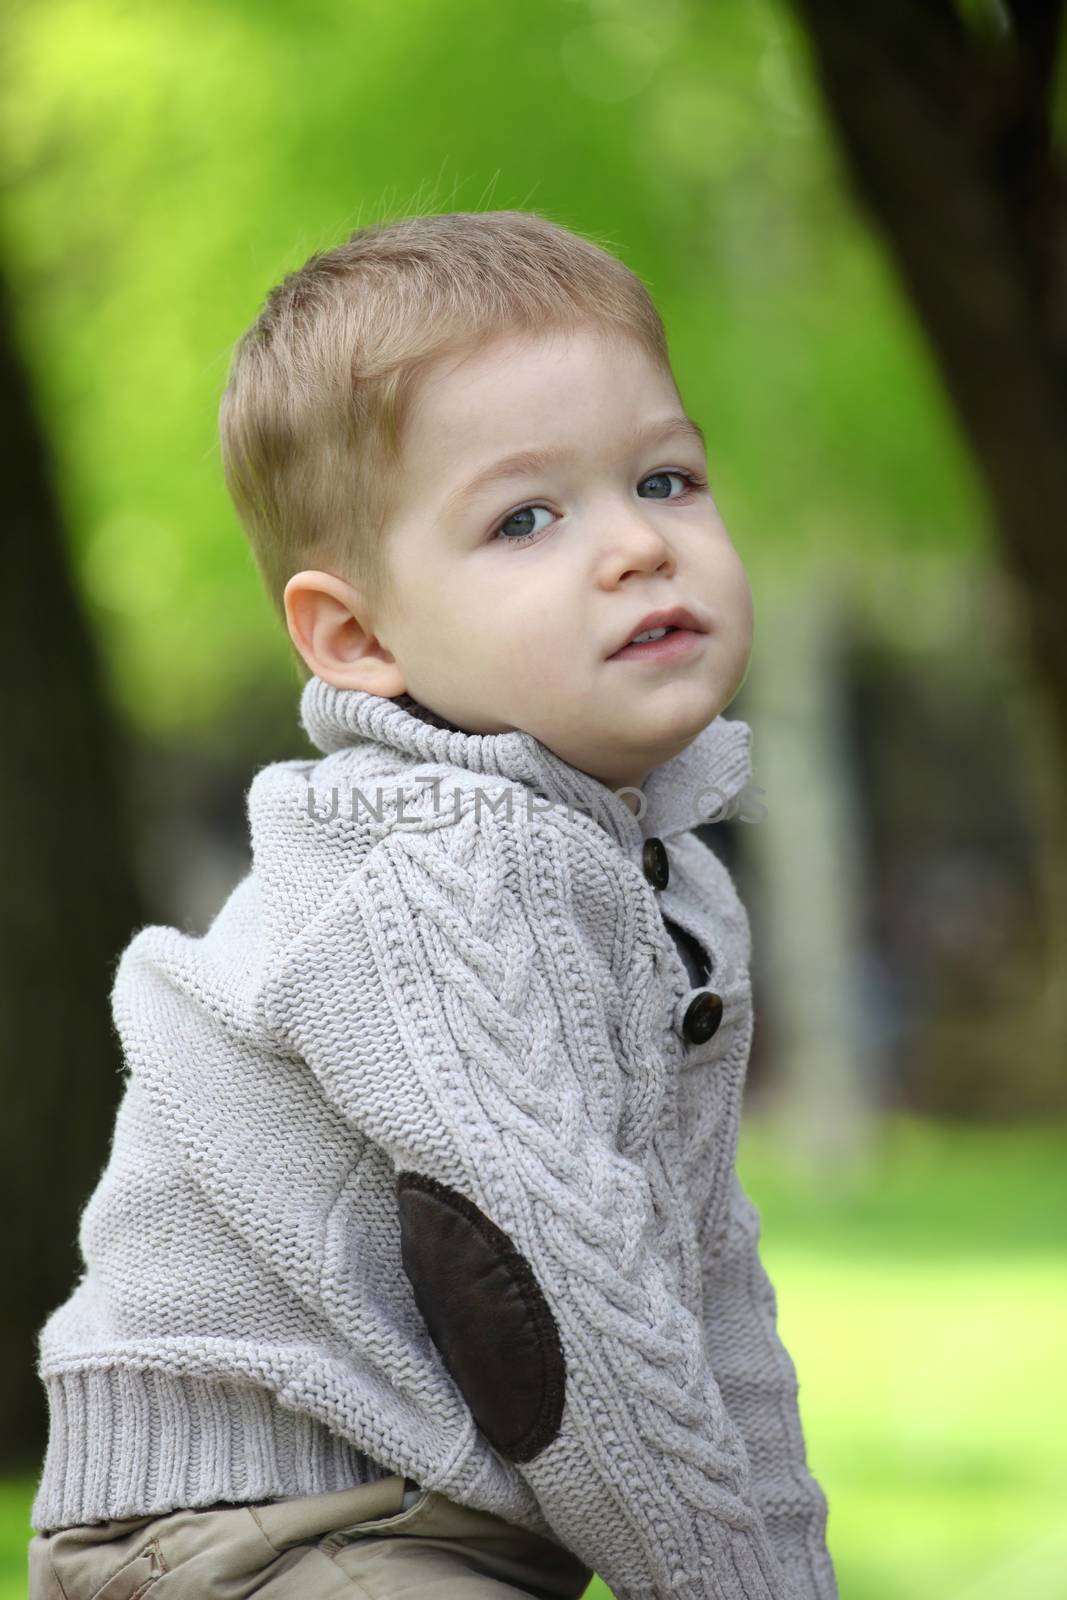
[758,1383]
[448,1008]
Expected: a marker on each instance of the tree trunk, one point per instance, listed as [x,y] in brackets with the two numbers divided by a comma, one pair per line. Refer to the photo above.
[71,905]
[946,127]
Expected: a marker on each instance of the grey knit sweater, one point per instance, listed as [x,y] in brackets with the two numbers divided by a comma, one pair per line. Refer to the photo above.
[445,997]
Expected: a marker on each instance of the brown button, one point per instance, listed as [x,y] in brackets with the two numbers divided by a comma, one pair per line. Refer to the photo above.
[702,1018]
[657,868]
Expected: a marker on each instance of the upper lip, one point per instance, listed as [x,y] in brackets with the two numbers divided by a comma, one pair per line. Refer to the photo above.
[675,617]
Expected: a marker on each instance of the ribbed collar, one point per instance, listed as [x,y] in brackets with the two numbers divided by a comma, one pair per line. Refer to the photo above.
[696,786]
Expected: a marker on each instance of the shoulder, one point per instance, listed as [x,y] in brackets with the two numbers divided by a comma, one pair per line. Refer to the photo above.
[549,879]
[504,831]
[366,820]
[315,823]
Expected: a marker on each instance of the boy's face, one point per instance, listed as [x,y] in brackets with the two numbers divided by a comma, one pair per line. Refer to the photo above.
[513,595]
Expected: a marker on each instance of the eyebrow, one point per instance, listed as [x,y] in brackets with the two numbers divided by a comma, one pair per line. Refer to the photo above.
[528,463]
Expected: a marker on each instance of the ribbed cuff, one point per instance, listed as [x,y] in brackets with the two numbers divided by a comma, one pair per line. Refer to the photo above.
[124,1442]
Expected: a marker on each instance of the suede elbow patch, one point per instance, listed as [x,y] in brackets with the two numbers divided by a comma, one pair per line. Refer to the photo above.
[486,1314]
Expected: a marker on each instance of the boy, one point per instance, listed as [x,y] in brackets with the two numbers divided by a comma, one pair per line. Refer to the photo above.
[420,1262]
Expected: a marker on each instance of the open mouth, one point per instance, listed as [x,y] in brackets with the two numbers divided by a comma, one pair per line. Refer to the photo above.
[660,644]
[652,635]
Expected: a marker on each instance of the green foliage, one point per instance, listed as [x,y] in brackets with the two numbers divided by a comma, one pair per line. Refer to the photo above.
[166,165]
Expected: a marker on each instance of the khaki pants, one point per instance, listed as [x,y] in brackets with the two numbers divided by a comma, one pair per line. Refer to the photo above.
[353,1544]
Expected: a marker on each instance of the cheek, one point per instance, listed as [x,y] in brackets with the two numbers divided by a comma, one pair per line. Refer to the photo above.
[517,610]
[744,598]
[732,587]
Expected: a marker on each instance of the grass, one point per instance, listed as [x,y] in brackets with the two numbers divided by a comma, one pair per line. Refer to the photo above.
[923,1304]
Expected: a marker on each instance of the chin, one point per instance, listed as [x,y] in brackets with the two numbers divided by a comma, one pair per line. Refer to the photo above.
[694,709]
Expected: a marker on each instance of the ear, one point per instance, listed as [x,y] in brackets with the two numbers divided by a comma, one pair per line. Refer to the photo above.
[333,630]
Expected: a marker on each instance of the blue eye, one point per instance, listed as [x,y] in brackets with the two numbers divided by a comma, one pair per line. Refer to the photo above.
[521,516]
[522,525]
[660,477]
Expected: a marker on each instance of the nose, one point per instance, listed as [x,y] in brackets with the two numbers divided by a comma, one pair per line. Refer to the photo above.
[632,543]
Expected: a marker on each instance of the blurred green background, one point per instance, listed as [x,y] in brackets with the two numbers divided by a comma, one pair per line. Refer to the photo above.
[164,165]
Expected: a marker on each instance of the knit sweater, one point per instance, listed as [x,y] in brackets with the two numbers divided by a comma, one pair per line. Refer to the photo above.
[448,968]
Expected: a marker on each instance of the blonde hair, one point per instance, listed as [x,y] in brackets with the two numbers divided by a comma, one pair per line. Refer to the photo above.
[321,385]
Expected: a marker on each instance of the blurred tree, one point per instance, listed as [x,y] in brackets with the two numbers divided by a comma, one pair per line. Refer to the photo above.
[950,119]
[945,117]
[70,903]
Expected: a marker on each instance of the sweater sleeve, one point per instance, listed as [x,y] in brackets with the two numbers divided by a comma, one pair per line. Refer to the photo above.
[448,1006]
[758,1384]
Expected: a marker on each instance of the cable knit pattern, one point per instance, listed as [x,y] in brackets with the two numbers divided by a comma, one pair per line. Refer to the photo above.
[432,981]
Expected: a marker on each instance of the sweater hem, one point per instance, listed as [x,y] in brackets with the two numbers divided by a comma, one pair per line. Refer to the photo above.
[123,1443]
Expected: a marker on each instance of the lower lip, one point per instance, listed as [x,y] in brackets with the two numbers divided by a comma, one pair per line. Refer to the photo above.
[669,648]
